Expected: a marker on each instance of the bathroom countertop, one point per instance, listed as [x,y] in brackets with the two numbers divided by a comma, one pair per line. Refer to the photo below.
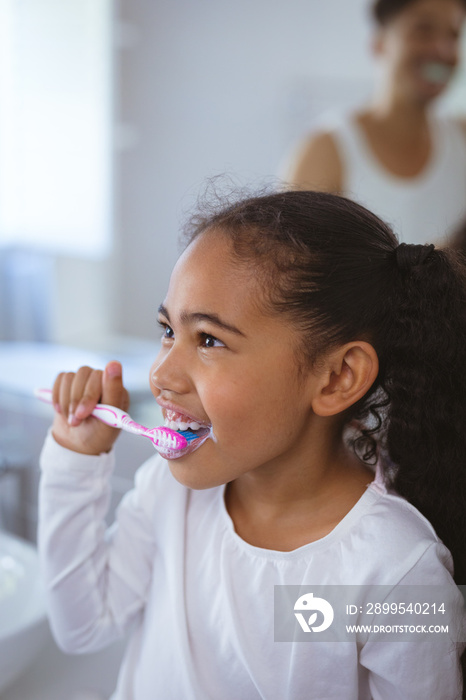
[25,366]
[57,676]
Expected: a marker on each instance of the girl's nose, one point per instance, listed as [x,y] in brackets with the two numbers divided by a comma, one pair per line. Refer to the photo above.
[168,373]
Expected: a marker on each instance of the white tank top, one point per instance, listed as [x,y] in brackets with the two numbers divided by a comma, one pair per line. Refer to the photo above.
[421,209]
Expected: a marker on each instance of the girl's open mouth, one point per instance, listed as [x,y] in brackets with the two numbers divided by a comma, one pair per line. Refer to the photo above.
[198,433]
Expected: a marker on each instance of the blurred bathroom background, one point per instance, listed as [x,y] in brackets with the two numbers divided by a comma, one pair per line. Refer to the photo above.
[114,114]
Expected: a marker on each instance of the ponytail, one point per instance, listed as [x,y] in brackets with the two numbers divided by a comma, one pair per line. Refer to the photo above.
[425,381]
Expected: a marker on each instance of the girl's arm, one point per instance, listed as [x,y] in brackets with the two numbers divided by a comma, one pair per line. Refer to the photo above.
[96,580]
[429,666]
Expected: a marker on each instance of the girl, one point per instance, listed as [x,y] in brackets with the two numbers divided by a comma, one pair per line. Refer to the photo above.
[288,317]
[394,155]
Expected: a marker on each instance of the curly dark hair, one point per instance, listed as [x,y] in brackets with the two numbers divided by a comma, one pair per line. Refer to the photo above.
[457,240]
[335,269]
[385,10]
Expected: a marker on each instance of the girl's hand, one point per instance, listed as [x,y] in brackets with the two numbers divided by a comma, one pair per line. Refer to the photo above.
[75,395]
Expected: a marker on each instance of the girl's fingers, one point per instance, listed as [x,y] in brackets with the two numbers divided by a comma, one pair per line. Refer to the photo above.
[86,394]
[64,392]
[56,392]
[76,394]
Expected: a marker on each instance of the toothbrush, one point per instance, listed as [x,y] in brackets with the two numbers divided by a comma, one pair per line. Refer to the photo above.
[161,437]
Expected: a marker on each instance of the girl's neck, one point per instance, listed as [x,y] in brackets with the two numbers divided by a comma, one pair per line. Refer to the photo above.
[287,508]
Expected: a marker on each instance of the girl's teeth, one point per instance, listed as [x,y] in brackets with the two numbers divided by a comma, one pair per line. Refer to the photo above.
[174,425]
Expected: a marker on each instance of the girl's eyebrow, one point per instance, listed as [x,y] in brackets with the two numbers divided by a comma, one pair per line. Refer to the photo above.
[197,316]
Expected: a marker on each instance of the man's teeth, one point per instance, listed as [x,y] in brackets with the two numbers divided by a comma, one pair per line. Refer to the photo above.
[437,72]
[181,425]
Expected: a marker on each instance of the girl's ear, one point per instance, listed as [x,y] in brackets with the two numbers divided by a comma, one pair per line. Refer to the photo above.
[346,377]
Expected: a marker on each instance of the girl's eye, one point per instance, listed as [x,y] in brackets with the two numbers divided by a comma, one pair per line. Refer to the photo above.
[167,332]
[210,341]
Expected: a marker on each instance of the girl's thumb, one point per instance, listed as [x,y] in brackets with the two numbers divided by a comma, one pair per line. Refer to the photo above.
[113,391]
[114,371]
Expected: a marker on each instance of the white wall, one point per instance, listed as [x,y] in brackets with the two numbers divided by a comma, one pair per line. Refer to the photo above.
[207,87]
[203,87]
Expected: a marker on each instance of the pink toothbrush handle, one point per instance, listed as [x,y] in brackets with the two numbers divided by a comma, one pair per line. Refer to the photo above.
[161,436]
[110,415]
[116,418]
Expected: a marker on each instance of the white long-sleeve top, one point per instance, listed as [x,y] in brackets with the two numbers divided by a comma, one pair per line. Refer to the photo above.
[198,601]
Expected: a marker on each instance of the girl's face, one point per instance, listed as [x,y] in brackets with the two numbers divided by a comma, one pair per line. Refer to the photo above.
[420,47]
[227,364]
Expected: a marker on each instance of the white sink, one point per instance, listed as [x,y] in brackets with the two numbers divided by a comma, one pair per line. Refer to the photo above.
[23,624]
